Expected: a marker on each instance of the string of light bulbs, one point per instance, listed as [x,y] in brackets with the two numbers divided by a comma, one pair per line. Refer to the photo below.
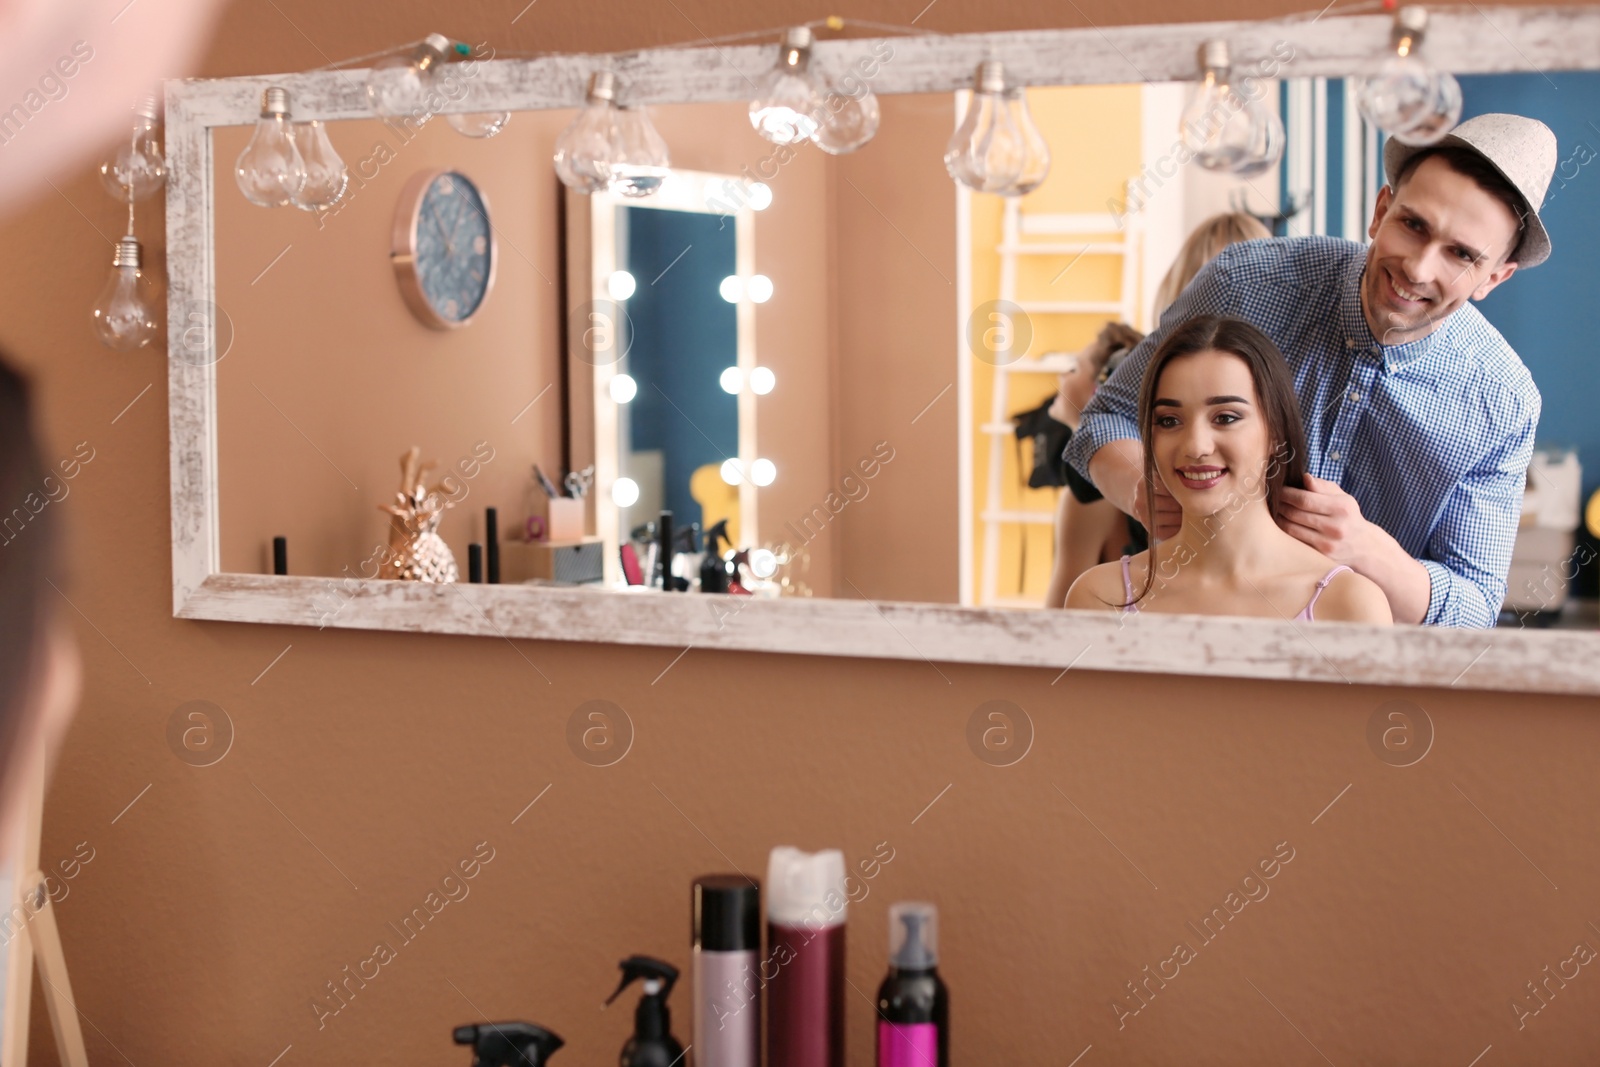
[610,145]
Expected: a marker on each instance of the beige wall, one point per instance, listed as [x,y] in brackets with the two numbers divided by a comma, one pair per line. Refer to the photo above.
[365,763]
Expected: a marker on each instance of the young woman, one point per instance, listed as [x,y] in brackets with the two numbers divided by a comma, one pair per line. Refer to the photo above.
[1221,430]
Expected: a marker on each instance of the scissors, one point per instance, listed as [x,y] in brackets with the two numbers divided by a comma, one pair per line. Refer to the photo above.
[578,482]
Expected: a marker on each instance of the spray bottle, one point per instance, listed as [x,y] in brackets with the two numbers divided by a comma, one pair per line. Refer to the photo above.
[652,1043]
[913,1003]
[508,1044]
[713,568]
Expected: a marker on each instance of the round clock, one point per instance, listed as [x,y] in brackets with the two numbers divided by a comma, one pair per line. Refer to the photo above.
[443,250]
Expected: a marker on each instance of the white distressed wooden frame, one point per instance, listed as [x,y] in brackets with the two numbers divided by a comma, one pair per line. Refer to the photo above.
[1484,39]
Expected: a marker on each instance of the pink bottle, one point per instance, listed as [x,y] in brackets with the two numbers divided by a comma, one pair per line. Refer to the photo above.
[806,902]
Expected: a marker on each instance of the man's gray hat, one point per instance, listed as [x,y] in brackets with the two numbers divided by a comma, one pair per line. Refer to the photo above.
[1523,150]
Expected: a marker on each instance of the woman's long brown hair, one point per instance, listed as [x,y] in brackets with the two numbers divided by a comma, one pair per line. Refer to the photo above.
[1274,386]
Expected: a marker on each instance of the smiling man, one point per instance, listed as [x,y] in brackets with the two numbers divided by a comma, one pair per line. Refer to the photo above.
[1420,418]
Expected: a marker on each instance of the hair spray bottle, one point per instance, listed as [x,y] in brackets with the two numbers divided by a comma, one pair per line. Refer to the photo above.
[913,1003]
[727,991]
[805,941]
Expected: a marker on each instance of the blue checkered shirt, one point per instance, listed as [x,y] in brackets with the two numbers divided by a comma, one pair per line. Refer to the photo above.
[1432,437]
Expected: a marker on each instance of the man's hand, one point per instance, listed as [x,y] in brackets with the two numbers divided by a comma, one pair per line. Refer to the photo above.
[1117,470]
[1328,519]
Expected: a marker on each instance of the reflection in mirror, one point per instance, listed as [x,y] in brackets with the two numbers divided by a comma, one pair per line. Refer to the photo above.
[899,473]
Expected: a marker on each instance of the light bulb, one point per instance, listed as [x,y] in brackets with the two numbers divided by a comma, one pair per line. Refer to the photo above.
[760,196]
[732,289]
[762,380]
[124,313]
[787,104]
[639,162]
[758,288]
[624,492]
[1407,98]
[731,380]
[763,564]
[584,149]
[270,170]
[621,285]
[1225,130]
[136,169]
[326,175]
[997,148]
[480,124]
[622,388]
[405,86]
[763,472]
[731,473]
[849,119]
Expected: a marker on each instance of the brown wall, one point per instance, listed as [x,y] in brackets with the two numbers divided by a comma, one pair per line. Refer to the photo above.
[218,905]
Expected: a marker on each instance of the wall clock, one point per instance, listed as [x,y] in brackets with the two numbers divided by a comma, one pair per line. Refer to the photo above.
[443,251]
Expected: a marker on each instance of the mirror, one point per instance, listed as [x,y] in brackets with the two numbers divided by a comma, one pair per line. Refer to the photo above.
[897,478]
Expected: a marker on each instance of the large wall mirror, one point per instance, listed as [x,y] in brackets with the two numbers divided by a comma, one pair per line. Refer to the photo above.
[782,341]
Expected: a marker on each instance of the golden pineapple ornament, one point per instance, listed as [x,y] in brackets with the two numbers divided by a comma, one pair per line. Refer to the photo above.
[416,551]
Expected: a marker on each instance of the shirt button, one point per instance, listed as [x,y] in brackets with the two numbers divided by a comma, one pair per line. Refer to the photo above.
[1355,396]
[1349,343]
[1333,456]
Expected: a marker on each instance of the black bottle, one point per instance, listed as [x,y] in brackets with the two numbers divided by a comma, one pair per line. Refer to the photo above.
[913,1003]
[713,568]
[652,1043]
[508,1044]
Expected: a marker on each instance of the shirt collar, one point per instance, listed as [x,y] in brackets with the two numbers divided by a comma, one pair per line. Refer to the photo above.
[1358,335]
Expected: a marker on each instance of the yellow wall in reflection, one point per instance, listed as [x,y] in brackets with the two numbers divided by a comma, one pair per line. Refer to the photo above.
[1094,138]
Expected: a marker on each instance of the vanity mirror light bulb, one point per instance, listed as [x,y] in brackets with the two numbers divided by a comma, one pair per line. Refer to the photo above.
[786,105]
[621,285]
[623,388]
[763,564]
[732,289]
[763,472]
[400,87]
[624,492]
[762,380]
[1408,99]
[326,175]
[137,169]
[731,474]
[760,196]
[270,170]
[731,380]
[758,288]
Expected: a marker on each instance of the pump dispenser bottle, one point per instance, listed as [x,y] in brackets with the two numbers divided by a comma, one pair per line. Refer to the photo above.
[652,1043]
[727,971]
[913,1003]
[805,941]
[508,1044]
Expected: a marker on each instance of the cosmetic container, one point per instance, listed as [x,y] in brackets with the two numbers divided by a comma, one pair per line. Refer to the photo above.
[726,938]
[913,1003]
[806,905]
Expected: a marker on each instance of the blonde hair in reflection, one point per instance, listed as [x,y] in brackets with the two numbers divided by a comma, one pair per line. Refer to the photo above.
[1200,247]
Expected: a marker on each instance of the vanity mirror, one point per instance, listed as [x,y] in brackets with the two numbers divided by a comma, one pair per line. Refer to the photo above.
[297,375]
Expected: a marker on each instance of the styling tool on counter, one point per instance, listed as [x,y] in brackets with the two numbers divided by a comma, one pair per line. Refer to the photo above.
[491,537]
[545,483]
[631,571]
[578,483]
[713,568]
[913,1003]
[648,546]
[280,555]
[663,577]
[652,1043]
[806,904]
[727,983]
[508,1044]
[474,562]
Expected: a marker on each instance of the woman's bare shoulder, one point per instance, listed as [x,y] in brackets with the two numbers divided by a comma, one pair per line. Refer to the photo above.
[1098,589]
[1352,597]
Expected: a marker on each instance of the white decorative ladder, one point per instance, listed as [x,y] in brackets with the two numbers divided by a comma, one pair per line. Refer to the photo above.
[1062,229]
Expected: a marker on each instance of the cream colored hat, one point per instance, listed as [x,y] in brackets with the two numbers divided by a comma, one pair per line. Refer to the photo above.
[1523,150]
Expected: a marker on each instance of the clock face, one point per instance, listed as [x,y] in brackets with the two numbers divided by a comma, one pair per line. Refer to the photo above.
[451,264]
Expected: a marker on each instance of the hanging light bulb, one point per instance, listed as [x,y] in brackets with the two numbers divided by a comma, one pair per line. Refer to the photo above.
[137,169]
[1407,99]
[326,175]
[584,151]
[271,171]
[639,162]
[405,86]
[1225,130]
[787,103]
[124,313]
[849,119]
[997,148]
[480,124]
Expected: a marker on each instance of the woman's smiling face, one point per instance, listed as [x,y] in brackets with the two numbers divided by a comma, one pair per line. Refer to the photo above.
[1208,434]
